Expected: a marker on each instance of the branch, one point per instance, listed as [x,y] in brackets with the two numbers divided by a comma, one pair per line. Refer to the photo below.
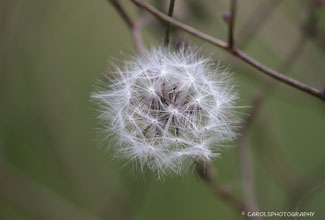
[205,171]
[231,21]
[134,27]
[235,52]
[170,14]
[291,57]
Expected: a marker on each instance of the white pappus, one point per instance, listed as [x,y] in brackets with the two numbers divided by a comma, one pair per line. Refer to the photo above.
[168,109]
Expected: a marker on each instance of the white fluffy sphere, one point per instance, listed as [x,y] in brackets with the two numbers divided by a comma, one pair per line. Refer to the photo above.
[169,109]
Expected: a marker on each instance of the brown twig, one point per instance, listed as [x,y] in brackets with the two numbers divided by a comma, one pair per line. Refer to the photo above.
[179,24]
[206,173]
[170,14]
[231,41]
[235,52]
[133,25]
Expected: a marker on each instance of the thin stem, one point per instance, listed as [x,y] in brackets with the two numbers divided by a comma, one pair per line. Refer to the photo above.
[180,25]
[235,52]
[233,6]
[170,14]
[134,27]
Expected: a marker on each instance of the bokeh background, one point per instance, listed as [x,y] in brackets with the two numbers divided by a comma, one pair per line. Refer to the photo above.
[53,165]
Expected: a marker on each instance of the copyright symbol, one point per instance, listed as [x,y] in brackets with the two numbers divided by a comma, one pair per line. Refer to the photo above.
[243,213]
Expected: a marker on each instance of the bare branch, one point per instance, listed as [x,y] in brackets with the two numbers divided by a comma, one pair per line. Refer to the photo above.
[170,14]
[134,27]
[281,77]
[180,25]
[206,173]
[128,20]
[231,23]
[235,52]
[292,56]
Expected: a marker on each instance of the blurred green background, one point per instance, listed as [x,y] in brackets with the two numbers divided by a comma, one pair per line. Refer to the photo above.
[54,166]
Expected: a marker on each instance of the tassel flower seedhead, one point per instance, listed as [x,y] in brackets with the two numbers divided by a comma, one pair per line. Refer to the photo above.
[169,109]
